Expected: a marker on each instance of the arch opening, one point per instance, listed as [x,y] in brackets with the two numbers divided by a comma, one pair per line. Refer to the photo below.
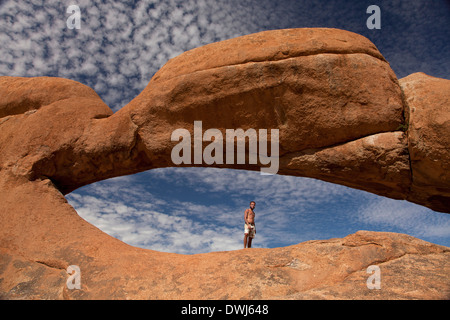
[201,209]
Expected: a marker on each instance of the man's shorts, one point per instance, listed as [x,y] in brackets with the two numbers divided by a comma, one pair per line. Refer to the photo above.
[250,231]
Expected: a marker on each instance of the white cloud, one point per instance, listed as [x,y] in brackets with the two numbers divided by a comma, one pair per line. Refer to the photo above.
[405,217]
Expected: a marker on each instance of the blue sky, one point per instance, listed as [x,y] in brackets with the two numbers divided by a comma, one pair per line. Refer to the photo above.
[189,210]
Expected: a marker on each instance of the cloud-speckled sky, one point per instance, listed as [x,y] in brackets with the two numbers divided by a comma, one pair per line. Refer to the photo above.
[119,47]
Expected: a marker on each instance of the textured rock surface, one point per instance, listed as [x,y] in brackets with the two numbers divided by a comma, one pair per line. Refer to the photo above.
[322,269]
[428,107]
[341,115]
[311,84]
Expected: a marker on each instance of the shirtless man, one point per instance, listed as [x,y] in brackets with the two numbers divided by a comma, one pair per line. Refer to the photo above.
[249,231]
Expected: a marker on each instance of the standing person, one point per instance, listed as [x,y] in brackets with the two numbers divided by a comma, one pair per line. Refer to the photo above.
[249,230]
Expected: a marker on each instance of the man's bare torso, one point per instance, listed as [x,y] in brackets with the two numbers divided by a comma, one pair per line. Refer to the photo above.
[249,216]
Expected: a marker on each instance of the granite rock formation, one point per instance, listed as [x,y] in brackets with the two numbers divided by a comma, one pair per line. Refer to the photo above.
[332,269]
[428,110]
[342,115]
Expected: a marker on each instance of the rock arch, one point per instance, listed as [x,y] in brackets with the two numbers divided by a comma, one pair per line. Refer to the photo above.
[342,115]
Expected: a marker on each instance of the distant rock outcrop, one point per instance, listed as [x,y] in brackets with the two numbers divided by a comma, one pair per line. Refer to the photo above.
[342,115]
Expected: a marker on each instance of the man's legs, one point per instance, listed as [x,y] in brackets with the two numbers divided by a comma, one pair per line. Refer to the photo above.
[247,240]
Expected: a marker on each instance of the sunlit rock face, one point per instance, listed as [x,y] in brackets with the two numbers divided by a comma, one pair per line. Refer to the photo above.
[341,114]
